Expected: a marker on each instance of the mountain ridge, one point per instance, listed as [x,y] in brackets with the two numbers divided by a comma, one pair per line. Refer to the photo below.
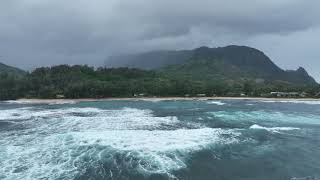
[230,62]
[11,70]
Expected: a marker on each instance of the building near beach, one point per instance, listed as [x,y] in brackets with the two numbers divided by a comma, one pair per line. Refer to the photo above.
[288,94]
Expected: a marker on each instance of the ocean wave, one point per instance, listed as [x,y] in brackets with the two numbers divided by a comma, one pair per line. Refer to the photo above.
[256,116]
[42,101]
[310,102]
[273,129]
[71,154]
[219,103]
[67,143]
[88,118]
[15,114]
[16,102]
[62,102]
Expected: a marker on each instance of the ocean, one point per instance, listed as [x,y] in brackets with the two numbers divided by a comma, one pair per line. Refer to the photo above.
[169,139]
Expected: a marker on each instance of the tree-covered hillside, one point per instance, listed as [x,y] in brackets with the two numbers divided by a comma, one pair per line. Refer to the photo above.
[149,60]
[228,71]
[5,69]
[79,81]
[231,63]
[87,82]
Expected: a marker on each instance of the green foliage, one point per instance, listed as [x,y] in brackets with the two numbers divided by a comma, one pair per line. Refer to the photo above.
[231,63]
[5,69]
[87,82]
[11,87]
[228,71]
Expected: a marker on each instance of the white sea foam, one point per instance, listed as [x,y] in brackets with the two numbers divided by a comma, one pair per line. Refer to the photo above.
[18,102]
[311,102]
[15,114]
[44,101]
[61,154]
[63,102]
[30,112]
[77,119]
[159,140]
[62,143]
[158,146]
[219,103]
[59,142]
[273,129]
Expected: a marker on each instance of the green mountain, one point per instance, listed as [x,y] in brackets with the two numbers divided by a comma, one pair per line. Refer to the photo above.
[5,69]
[149,60]
[11,82]
[230,64]
[202,73]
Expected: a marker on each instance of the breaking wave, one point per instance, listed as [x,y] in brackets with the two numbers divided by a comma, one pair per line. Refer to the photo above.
[172,141]
[145,152]
[49,102]
[72,142]
[258,116]
[273,129]
[219,103]
[311,102]
[88,118]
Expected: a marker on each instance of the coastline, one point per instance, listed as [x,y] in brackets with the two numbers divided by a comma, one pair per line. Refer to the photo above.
[155,99]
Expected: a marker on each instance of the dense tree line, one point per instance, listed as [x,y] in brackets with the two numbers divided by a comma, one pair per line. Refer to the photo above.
[87,82]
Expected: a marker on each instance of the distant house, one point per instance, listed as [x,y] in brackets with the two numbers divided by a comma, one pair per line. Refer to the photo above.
[230,94]
[285,94]
[201,95]
[304,94]
[277,94]
[60,96]
[265,95]
[293,94]
[139,95]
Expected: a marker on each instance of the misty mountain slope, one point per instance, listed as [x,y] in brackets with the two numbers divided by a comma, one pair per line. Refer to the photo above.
[235,63]
[10,70]
[231,63]
[149,60]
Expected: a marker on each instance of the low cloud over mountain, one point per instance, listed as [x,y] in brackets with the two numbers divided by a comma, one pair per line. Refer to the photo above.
[47,32]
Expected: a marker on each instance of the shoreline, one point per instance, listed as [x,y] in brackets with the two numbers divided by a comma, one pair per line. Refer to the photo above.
[62,101]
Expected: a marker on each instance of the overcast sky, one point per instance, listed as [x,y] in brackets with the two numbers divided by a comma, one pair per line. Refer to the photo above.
[46,32]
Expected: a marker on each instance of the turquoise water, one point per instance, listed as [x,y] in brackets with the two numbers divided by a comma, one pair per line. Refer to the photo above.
[222,140]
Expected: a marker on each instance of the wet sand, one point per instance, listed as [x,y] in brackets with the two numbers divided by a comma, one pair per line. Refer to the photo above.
[63,101]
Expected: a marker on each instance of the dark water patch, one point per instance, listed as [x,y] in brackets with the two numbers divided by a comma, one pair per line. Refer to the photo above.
[13,126]
[263,160]
[80,114]
[5,124]
[20,169]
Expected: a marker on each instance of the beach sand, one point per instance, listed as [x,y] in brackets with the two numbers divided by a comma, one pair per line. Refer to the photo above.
[70,101]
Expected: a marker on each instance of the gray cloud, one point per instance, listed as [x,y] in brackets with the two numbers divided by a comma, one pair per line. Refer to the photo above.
[46,32]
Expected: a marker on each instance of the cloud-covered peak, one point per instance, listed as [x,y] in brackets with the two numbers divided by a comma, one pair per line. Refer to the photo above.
[46,32]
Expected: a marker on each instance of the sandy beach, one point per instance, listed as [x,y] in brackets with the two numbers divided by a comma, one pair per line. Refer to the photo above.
[71,101]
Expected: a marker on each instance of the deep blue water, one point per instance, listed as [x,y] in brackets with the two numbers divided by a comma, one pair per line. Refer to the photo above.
[191,140]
